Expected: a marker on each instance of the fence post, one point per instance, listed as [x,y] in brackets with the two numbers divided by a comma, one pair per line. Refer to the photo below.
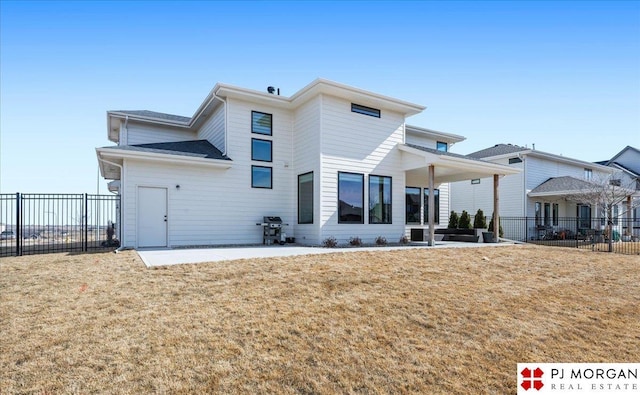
[85,224]
[18,225]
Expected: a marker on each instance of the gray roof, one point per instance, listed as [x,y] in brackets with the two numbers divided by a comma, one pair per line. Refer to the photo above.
[498,149]
[562,184]
[194,148]
[444,153]
[155,115]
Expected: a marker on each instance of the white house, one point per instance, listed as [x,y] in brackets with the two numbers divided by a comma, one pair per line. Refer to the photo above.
[541,191]
[331,160]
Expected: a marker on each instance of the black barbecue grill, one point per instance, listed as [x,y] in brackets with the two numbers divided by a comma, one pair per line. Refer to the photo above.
[272,230]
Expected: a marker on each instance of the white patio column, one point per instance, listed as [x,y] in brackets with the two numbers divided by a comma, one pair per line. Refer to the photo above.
[496,207]
[431,202]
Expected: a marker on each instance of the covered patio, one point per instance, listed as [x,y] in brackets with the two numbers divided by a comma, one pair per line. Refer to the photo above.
[439,167]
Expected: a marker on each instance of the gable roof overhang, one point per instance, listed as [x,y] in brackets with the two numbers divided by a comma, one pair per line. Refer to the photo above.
[450,167]
[111,159]
[434,134]
[571,186]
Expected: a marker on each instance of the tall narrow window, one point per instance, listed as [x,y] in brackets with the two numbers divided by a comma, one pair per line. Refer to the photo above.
[556,210]
[350,198]
[261,123]
[261,177]
[379,200]
[588,174]
[305,198]
[442,146]
[538,213]
[584,216]
[436,209]
[614,215]
[547,214]
[412,197]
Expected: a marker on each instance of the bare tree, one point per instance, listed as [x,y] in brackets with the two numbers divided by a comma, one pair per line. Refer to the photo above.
[606,192]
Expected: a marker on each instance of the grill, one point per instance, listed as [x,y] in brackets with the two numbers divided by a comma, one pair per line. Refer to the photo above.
[272,230]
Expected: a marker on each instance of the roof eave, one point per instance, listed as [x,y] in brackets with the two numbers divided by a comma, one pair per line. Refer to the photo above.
[158,157]
[442,136]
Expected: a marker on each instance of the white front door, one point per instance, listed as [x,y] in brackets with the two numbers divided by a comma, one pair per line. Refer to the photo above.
[152,217]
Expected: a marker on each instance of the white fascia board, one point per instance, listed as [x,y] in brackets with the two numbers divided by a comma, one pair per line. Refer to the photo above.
[121,115]
[590,165]
[441,136]
[107,153]
[225,90]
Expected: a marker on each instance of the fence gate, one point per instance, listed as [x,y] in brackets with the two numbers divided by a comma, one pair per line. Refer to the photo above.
[35,223]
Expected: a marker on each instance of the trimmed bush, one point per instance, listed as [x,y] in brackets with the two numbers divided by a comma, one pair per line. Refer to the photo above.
[355,241]
[500,232]
[381,241]
[465,220]
[479,221]
[404,240]
[453,220]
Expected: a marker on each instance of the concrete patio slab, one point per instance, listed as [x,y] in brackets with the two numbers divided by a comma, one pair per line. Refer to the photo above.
[167,257]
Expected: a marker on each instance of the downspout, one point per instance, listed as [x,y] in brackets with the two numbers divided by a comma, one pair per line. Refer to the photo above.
[121,200]
[126,130]
[524,181]
[226,121]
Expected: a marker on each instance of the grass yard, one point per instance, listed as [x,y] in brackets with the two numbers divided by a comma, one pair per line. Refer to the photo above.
[410,321]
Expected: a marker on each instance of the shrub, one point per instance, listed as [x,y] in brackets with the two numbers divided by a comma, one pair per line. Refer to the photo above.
[479,221]
[330,242]
[355,241]
[453,220]
[381,241]
[500,232]
[403,240]
[465,220]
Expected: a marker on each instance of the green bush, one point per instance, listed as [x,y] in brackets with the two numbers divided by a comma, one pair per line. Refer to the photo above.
[453,220]
[479,222]
[465,220]
[500,232]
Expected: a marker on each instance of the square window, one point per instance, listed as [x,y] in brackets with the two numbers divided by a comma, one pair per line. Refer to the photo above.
[261,177]
[261,150]
[442,146]
[261,123]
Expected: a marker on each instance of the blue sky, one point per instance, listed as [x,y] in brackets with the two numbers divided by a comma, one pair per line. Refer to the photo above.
[562,75]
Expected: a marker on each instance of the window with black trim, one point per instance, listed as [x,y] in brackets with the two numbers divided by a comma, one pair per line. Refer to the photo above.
[305,198]
[350,198]
[379,200]
[360,109]
[261,177]
[555,212]
[412,205]
[261,150]
[442,146]
[547,214]
[514,160]
[475,181]
[588,174]
[261,123]
[436,202]
[538,213]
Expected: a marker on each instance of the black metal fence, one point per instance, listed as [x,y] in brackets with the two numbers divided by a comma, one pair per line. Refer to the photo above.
[621,236]
[37,223]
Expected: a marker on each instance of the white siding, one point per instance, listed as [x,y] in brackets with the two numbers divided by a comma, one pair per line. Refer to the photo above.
[213,129]
[471,197]
[421,140]
[306,158]
[359,143]
[214,207]
[137,133]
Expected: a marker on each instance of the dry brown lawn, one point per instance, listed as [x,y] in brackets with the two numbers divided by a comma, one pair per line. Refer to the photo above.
[410,321]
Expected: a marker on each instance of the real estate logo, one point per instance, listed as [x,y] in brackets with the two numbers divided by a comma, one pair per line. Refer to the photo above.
[532,379]
[578,378]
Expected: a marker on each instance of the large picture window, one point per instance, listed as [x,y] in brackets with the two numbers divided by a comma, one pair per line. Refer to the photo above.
[305,198]
[350,198]
[412,197]
[261,177]
[436,209]
[261,123]
[261,150]
[379,200]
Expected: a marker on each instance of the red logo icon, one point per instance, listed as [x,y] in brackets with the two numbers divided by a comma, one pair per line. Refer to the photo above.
[532,379]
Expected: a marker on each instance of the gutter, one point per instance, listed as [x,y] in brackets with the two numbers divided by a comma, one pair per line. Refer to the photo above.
[121,200]
[226,121]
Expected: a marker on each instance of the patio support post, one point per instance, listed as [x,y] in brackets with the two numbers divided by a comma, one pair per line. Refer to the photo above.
[496,208]
[432,203]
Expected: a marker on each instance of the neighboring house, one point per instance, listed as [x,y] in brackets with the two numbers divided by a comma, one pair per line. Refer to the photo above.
[541,191]
[627,174]
[330,160]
